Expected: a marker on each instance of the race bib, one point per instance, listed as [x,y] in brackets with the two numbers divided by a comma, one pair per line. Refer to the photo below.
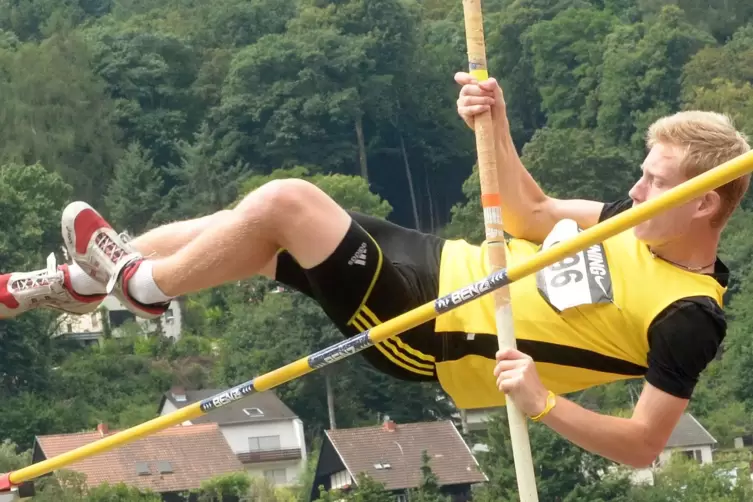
[579,279]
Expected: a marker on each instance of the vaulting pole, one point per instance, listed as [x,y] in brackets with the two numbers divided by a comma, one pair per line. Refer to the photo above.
[674,197]
[495,239]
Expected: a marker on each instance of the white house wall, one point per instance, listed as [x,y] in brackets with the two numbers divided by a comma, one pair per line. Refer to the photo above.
[292,470]
[92,323]
[237,436]
[291,437]
[169,408]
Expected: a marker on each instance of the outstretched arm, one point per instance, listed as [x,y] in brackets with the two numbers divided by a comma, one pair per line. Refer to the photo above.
[527,211]
[634,441]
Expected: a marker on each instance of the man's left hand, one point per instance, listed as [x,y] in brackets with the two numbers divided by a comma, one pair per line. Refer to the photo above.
[517,377]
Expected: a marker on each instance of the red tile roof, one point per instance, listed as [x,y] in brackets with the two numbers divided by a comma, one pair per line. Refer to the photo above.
[451,459]
[196,453]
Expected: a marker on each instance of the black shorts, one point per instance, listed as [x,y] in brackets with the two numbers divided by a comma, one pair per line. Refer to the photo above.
[379,271]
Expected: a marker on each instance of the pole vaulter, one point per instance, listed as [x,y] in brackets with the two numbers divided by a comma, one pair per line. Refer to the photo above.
[495,238]
[681,194]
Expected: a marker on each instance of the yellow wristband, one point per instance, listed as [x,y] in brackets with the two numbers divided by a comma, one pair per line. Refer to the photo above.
[551,400]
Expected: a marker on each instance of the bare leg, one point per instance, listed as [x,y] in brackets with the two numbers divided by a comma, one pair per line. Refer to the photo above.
[290,214]
[167,239]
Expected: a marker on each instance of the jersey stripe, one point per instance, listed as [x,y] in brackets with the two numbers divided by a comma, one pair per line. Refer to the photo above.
[402,344]
[361,323]
[458,346]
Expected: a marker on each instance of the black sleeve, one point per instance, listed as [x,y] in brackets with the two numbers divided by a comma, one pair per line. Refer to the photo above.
[682,341]
[612,208]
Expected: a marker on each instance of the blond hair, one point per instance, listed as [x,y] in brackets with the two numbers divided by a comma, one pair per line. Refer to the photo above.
[708,139]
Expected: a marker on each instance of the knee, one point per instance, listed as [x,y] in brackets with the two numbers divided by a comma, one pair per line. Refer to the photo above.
[286,198]
[204,222]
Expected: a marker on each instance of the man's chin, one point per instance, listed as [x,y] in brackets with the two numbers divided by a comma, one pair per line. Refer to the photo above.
[641,234]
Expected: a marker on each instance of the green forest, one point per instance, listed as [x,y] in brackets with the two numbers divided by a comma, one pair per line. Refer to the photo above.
[158,110]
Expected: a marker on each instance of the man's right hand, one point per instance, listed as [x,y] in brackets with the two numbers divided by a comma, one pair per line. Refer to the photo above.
[479,97]
[527,211]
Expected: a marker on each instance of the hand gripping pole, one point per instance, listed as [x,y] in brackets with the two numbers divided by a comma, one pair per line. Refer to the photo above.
[679,195]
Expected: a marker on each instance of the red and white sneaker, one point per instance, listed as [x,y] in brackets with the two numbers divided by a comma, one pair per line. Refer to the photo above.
[104,255]
[49,287]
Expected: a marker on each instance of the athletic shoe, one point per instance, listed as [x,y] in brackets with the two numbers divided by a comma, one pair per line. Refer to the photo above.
[104,255]
[49,287]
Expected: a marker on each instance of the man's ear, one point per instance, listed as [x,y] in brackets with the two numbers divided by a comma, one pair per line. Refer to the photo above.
[709,205]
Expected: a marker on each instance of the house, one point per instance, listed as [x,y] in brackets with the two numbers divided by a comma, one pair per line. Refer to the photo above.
[691,439]
[264,434]
[112,315]
[391,454]
[474,419]
[168,462]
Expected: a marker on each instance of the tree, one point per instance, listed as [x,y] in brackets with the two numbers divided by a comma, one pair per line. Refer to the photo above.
[70,486]
[512,64]
[428,490]
[579,163]
[39,19]
[350,192]
[612,488]
[719,17]
[31,207]
[467,221]
[435,148]
[302,114]
[729,422]
[728,62]
[203,183]
[643,64]
[134,194]
[149,77]
[566,53]
[691,482]
[369,490]
[231,486]
[10,457]
[561,467]
[55,113]
[382,33]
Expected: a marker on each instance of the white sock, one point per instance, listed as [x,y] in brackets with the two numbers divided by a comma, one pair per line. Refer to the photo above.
[142,288]
[82,283]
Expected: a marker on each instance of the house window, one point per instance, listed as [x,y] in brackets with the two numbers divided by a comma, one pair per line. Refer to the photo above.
[253,412]
[693,455]
[276,476]
[264,443]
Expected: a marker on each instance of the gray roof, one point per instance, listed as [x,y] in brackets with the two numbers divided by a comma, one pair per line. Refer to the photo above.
[271,407]
[689,432]
[393,456]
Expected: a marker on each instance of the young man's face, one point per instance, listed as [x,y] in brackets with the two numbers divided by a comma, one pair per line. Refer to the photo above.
[661,172]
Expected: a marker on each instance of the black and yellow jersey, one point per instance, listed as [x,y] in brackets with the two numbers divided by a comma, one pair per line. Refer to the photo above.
[575,348]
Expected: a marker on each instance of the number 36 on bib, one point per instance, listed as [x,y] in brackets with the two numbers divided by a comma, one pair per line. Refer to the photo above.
[579,279]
